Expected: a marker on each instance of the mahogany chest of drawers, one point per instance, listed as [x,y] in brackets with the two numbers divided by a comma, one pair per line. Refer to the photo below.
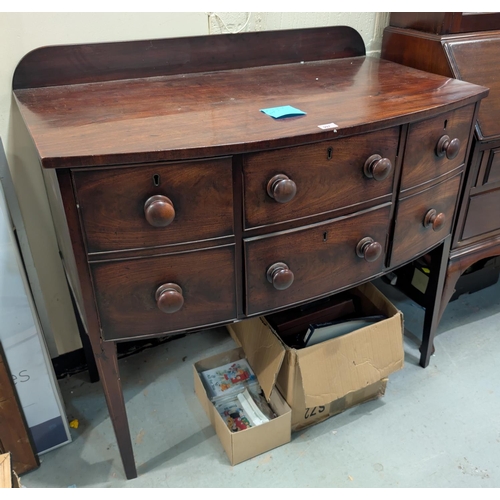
[186,207]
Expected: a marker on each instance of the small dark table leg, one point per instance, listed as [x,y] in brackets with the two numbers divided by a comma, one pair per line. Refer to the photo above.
[433,296]
[87,347]
[89,356]
[107,364]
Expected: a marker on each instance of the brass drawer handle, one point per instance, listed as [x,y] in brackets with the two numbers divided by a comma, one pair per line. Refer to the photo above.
[280,276]
[448,147]
[281,188]
[159,210]
[369,249]
[377,168]
[434,219]
[169,298]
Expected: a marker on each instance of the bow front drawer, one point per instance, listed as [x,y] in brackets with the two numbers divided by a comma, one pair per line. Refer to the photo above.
[424,220]
[146,206]
[293,266]
[435,147]
[165,293]
[298,182]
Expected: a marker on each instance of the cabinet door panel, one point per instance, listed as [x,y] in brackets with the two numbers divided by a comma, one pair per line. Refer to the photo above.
[483,214]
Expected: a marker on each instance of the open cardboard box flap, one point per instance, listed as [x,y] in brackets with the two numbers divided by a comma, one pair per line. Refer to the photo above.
[335,368]
[264,352]
[340,366]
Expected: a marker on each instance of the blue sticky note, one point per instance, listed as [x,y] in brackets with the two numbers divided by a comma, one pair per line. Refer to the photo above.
[283,112]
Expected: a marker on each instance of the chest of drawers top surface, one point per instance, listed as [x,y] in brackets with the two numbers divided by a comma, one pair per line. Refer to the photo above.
[200,114]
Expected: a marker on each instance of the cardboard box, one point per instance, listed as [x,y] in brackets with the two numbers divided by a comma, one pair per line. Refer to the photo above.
[8,478]
[325,379]
[246,444]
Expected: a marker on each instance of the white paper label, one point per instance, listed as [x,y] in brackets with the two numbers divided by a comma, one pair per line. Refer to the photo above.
[328,125]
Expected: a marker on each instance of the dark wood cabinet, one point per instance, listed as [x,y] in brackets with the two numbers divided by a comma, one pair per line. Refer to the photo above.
[465,46]
[187,207]
[445,23]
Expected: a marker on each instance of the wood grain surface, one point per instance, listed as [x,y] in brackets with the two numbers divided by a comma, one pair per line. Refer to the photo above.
[217,113]
[477,59]
[98,62]
[329,175]
[421,163]
[322,257]
[411,237]
[125,292]
[111,203]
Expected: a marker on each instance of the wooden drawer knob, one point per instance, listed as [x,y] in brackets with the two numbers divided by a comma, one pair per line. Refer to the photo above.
[448,147]
[281,188]
[434,219]
[169,298]
[159,210]
[369,249]
[280,276]
[377,168]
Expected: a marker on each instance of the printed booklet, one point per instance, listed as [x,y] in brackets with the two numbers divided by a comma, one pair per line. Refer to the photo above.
[228,379]
[235,391]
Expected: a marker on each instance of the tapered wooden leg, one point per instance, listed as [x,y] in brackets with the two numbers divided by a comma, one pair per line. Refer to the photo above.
[104,352]
[107,364]
[439,265]
[453,273]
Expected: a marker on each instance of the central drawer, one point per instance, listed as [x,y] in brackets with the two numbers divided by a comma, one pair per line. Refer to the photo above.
[166,293]
[302,181]
[155,205]
[293,266]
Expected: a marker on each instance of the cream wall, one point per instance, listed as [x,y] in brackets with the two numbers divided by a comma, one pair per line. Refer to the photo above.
[23,32]
[369,24]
